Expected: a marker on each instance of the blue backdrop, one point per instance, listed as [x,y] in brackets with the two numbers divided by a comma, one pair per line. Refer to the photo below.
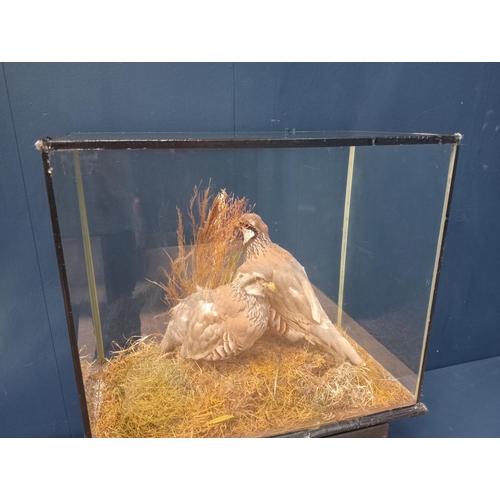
[37,388]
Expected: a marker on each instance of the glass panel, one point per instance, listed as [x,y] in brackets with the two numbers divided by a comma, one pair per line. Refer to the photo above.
[131,199]
[118,216]
[395,216]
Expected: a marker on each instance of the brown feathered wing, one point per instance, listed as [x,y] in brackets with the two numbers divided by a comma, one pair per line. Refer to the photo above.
[212,325]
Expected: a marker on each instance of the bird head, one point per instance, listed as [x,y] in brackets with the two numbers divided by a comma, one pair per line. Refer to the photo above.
[255,279]
[251,226]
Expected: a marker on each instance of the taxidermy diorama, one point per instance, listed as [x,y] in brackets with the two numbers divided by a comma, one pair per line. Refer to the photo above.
[283,304]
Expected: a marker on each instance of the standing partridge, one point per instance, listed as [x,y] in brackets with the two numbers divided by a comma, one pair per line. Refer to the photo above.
[223,322]
[295,310]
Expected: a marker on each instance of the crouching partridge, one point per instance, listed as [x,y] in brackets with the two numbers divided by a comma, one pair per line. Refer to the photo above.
[295,310]
[223,322]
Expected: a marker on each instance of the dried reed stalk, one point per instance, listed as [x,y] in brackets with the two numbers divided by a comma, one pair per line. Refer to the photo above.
[215,250]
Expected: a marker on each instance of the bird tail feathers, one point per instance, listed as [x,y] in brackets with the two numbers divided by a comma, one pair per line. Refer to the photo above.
[329,336]
[169,342]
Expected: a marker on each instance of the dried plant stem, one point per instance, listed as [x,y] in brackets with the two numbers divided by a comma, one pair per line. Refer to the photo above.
[213,255]
[276,377]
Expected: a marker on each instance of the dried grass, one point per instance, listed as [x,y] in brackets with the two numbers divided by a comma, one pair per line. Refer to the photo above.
[215,250]
[272,389]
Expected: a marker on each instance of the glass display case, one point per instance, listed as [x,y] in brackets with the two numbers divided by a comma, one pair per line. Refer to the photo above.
[240,285]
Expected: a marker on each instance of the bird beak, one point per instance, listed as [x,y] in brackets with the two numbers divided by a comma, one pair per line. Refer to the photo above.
[271,286]
[248,234]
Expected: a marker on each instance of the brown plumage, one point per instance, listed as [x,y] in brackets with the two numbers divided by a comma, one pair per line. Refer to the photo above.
[295,310]
[220,323]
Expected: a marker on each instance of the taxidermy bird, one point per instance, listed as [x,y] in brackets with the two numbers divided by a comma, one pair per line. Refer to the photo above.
[221,323]
[295,310]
